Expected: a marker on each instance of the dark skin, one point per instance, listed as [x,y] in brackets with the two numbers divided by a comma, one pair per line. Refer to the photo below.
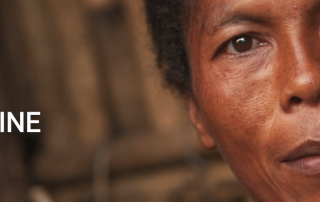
[256,85]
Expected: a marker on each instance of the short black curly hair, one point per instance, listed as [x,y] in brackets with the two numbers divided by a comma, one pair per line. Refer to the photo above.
[168,20]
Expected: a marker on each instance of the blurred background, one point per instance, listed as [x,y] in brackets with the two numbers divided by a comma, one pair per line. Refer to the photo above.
[109,131]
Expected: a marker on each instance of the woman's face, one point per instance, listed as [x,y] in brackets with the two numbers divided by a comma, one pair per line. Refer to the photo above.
[256,86]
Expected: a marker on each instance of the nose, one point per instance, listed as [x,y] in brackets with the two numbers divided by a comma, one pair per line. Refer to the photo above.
[302,86]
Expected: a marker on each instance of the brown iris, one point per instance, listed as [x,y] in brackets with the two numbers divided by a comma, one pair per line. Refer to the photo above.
[242,44]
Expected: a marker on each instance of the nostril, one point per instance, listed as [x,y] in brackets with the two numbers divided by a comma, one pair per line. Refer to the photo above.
[295,100]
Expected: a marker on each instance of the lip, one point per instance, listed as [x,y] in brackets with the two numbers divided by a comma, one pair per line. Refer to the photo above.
[305,158]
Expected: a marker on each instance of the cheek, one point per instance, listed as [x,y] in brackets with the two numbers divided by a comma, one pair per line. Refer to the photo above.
[239,112]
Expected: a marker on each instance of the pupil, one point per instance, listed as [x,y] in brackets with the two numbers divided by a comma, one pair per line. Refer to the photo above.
[242,44]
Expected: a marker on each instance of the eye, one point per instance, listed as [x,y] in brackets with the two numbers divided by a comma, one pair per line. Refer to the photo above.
[242,44]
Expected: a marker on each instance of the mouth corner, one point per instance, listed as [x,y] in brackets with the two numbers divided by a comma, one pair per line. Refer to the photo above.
[304,158]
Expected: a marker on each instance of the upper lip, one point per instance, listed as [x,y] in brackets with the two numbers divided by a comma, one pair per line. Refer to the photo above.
[306,149]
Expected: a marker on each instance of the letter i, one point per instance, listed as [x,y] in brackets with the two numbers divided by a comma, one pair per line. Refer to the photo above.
[2,122]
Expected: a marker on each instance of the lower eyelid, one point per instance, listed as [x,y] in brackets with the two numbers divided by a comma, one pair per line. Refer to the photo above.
[247,54]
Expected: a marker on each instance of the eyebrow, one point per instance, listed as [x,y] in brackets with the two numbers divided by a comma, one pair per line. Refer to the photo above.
[242,17]
[233,17]
[230,17]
